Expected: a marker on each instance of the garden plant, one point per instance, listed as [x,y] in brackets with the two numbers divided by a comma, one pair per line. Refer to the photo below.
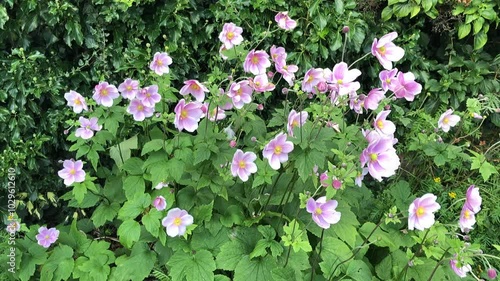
[246,140]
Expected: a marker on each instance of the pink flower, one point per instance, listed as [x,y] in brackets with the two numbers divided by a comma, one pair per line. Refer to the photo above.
[359,178]
[216,114]
[296,120]
[278,55]
[46,237]
[323,212]
[240,93]
[139,110]
[448,120]
[149,96]
[243,164]
[336,183]
[104,94]
[232,143]
[343,79]
[187,115]
[256,62]
[276,151]
[387,77]
[382,125]
[323,179]
[356,102]
[284,21]
[288,72]
[472,199]
[221,50]
[421,212]
[405,86]
[373,99]
[231,35]
[194,88]
[13,226]
[462,271]
[160,203]
[87,127]
[261,84]
[129,88]
[160,63]
[311,79]
[381,158]
[385,51]
[467,219]
[161,185]
[72,172]
[492,273]
[176,222]
[76,100]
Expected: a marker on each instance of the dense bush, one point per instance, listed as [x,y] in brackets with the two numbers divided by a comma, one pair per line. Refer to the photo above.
[257,230]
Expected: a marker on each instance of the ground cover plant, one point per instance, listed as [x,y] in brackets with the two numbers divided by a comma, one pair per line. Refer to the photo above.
[272,163]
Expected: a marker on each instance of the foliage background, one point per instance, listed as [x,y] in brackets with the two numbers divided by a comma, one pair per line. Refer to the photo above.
[51,47]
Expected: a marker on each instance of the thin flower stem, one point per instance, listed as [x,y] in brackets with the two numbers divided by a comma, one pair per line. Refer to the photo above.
[403,271]
[319,253]
[438,263]
[367,54]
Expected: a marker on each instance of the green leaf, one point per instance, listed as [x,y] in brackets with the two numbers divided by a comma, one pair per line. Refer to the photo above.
[427,5]
[197,267]
[296,237]
[133,186]
[478,25]
[339,6]
[230,254]
[121,152]
[305,161]
[153,145]
[254,270]
[4,17]
[129,232]
[79,191]
[488,14]
[105,212]
[151,221]
[463,30]
[333,254]
[480,40]
[132,208]
[137,266]
[133,166]
[358,270]
[387,13]
[60,264]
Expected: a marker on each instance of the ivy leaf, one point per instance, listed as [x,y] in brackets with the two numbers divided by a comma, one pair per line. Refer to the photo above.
[197,267]
[59,265]
[129,232]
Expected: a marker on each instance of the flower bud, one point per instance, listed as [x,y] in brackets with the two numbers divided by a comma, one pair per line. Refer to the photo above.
[270,74]
[387,107]
[322,178]
[322,87]
[492,273]
[253,139]
[260,107]
[284,91]
[345,29]
[65,132]
[232,143]
[337,184]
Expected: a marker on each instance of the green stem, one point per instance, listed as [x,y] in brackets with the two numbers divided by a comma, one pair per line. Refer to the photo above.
[437,265]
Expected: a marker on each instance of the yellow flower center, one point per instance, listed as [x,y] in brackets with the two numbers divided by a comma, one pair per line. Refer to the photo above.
[318,211]
[148,95]
[255,60]
[340,82]
[420,211]
[380,124]
[388,80]
[309,79]
[159,63]
[381,50]
[278,149]
[257,84]
[72,172]
[104,93]
[177,221]
[195,87]
[240,91]
[295,123]
[373,157]
[285,67]
[129,88]
[184,114]
[446,120]
[140,108]
[230,35]
[77,101]
[242,164]
[46,237]
[467,214]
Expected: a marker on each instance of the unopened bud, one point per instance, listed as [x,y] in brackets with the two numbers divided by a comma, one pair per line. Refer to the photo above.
[260,107]
[232,143]
[284,91]
[492,273]
[270,74]
[322,87]
[253,139]
[66,132]
[345,29]
[387,107]
[337,184]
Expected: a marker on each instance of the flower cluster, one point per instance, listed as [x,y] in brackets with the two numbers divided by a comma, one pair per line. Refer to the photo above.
[471,207]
